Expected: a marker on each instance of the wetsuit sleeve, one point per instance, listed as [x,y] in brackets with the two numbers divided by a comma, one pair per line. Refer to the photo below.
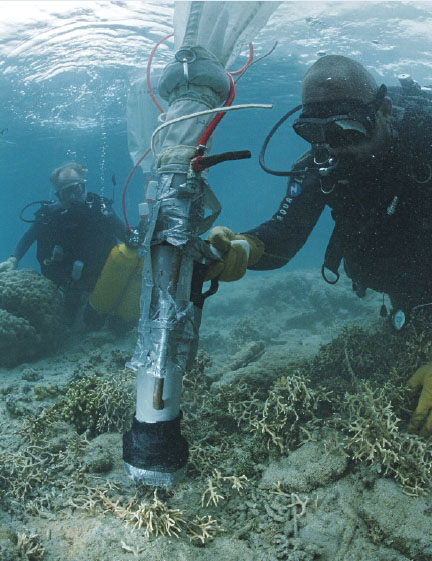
[25,242]
[289,228]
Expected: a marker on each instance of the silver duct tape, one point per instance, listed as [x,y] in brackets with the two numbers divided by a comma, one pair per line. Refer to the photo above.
[181,212]
[164,343]
[169,324]
[155,478]
[178,215]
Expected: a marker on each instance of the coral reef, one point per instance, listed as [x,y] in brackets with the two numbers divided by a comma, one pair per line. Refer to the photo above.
[149,514]
[31,313]
[376,352]
[369,416]
[34,478]
[95,405]
[18,339]
[203,529]
[366,370]
[29,546]
[367,353]
[290,462]
[374,433]
[285,418]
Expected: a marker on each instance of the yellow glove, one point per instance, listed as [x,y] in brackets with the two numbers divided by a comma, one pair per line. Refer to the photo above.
[421,420]
[235,258]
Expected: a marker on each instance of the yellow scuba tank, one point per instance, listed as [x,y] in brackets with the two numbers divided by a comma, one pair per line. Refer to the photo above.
[119,284]
[128,307]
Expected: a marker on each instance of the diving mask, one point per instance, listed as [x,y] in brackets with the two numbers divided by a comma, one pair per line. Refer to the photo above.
[343,128]
[336,131]
[73,193]
[339,123]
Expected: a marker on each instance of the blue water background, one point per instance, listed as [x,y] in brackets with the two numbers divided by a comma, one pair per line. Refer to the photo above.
[57,110]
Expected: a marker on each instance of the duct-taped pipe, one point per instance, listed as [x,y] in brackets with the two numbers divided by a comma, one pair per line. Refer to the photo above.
[154,450]
[171,335]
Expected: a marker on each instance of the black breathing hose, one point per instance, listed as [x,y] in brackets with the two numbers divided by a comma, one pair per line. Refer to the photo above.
[267,140]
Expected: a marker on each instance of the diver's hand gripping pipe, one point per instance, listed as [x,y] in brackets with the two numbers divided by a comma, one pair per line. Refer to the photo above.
[230,265]
[243,243]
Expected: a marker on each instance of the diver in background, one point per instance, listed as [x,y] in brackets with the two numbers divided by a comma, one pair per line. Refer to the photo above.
[373,167]
[74,237]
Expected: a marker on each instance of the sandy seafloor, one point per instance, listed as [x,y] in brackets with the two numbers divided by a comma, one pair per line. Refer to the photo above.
[67,498]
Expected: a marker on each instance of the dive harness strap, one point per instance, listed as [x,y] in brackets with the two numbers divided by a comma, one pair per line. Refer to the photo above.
[339,238]
[332,260]
[333,255]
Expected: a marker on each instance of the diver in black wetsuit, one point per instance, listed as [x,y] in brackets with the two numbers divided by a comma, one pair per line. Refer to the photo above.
[372,166]
[381,203]
[374,174]
[74,237]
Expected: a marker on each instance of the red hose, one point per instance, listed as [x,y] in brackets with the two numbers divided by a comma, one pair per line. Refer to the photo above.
[149,62]
[215,121]
[248,62]
[213,124]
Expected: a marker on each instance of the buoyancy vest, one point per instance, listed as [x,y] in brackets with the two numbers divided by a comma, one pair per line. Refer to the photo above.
[84,233]
[383,218]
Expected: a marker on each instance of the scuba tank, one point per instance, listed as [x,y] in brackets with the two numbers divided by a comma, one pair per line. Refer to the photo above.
[128,307]
[118,287]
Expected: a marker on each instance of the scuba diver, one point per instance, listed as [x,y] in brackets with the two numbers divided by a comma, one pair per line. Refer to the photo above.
[74,237]
[370,162]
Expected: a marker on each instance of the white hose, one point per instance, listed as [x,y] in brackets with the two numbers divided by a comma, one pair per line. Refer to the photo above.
[206,112]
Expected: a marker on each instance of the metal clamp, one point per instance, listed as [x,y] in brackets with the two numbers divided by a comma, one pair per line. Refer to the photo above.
[185,56]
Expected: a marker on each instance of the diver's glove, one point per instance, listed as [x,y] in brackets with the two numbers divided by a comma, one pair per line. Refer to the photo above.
[235,258]
[9,265]
[421,420]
